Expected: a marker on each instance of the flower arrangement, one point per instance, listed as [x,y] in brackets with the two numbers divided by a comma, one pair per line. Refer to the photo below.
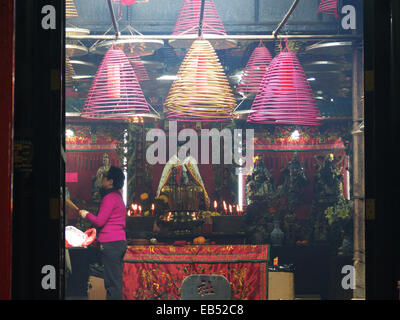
[278,207]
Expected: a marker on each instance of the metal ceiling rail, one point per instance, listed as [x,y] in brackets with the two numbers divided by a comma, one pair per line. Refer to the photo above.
[285,18]
[217,37]
[114,21]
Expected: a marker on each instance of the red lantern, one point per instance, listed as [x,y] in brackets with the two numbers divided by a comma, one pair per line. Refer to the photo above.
[113,80]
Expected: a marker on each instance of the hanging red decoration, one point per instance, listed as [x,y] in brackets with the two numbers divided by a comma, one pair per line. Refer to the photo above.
[113,80]
[115,92]
[329,7]
[285,96]
[254,70]
[188,24]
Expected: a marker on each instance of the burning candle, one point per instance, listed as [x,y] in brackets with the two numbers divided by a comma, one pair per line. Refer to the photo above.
[129,213]
[152,209]
[230,209]
[215,206]
[140,210]
[134,206]
[225,207]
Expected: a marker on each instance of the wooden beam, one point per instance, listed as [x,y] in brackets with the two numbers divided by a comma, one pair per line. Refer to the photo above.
[358,175]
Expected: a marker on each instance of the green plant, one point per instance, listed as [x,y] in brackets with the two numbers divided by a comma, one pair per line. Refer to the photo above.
[341,212]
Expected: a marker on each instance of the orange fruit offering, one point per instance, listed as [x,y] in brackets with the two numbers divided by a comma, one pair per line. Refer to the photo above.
[199,240]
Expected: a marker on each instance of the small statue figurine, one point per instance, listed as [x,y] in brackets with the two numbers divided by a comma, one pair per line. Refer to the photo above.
[294,183]
[328,181]
[260,183]
[182,183]
[97,180]
[291,228]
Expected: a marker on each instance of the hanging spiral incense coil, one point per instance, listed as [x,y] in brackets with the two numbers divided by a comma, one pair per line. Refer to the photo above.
[138,67]
[115,92]
[285,96]
[70,9]
[201,92]
[329,7]
[188,23]
[188,20]
[255,70]
[69,73]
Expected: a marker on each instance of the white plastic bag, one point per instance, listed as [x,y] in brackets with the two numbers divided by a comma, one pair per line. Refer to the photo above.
[76,238]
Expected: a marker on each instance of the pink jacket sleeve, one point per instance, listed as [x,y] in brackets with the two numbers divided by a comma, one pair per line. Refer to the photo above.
[104,213]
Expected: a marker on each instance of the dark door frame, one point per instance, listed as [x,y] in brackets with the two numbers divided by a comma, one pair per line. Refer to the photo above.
[38,221]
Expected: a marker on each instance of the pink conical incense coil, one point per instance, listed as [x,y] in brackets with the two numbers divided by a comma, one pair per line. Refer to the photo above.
[255,70]
[125,2]
[189,17]
[329,7]
[138,67]
[285,96]
[115,92]
[201,91]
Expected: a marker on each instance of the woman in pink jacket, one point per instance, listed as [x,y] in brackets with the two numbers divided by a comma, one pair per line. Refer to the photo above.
[110,221]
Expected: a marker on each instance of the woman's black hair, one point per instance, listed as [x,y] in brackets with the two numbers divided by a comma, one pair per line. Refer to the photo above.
[117,176]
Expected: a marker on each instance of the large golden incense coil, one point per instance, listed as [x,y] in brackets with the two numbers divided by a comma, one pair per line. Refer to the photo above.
[70,9]
[201,91]
[69,73]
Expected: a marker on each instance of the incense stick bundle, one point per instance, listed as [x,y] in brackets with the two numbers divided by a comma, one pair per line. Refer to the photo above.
[71,204]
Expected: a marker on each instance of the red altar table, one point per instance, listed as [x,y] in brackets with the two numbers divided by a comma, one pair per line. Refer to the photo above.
[157,271]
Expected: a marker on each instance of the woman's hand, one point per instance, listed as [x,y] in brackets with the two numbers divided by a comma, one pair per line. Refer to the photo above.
[83,213]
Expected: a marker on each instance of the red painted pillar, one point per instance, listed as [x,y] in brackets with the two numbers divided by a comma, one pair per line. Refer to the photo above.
[6,141]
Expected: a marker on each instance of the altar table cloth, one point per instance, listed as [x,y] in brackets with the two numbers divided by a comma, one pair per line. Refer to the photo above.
[157,271]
